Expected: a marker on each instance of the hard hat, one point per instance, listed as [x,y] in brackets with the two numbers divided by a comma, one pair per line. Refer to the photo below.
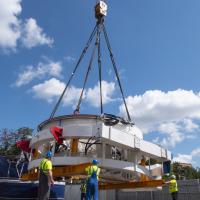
[95,162]
[173,176]
[49,154]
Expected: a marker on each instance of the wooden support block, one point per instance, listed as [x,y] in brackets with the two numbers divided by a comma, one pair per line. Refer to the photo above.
[74,146]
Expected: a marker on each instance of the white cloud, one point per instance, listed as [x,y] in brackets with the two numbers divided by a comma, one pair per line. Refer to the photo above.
[173,132]
[9,23]
[33,35]
[49,68]
[51,89]
[196,152]
[93,94]
[176,132]
[69,59]
[190,126]
[72,96]
[171,113]
[183,158]
[188,158]
[15,30]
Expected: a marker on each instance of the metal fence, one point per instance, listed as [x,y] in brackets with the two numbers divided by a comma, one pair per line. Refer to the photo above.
[188,190]
[155,196]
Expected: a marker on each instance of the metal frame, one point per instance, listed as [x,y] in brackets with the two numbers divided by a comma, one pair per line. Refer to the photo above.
[77,172]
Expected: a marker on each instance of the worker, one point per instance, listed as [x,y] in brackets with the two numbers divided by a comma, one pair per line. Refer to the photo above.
[92,181]
[83,190]
[46,177]
[173,187]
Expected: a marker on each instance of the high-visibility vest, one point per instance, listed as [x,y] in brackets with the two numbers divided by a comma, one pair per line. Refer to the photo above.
[93,169]
[45,166]
[173,187]
[83,188]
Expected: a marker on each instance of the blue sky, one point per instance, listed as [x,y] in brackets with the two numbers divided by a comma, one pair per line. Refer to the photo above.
[156,45]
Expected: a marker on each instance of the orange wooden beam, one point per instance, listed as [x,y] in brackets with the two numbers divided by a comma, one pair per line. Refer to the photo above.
[131,185]
[70,170]
[78,170]
[61,171]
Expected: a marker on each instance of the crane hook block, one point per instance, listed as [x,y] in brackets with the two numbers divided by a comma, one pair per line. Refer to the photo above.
[101,9]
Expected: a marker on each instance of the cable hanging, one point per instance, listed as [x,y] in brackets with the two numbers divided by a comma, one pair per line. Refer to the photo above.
[76,67]
[88,70]
[116,71]
[100,73]
[99,27]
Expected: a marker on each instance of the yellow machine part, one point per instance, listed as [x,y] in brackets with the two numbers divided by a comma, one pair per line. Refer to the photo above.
[78,171]
[59,171]
[74,146]
[143,177]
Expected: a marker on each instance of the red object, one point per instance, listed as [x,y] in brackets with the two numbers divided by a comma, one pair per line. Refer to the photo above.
[24,145]
[57,133]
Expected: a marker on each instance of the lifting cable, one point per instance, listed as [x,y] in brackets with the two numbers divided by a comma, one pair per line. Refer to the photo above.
[96,31]
[88,70]
[99,66]
[81,57]
[116,71]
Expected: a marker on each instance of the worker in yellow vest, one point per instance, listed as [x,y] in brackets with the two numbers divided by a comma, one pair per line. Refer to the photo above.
[46,177]
[83,190]
[173,187]
[93,172]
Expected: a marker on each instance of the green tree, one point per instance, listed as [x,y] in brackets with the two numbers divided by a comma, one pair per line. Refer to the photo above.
[185,172]
[8,139]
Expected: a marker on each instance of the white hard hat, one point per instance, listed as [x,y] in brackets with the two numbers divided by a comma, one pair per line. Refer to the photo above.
[173,176]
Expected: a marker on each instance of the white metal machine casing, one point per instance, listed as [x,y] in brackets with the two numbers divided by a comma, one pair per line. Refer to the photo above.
[124,137]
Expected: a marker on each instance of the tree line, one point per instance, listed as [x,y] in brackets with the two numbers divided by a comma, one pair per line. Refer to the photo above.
[185,172]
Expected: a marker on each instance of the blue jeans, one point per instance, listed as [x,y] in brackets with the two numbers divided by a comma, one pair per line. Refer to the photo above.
[92,189]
